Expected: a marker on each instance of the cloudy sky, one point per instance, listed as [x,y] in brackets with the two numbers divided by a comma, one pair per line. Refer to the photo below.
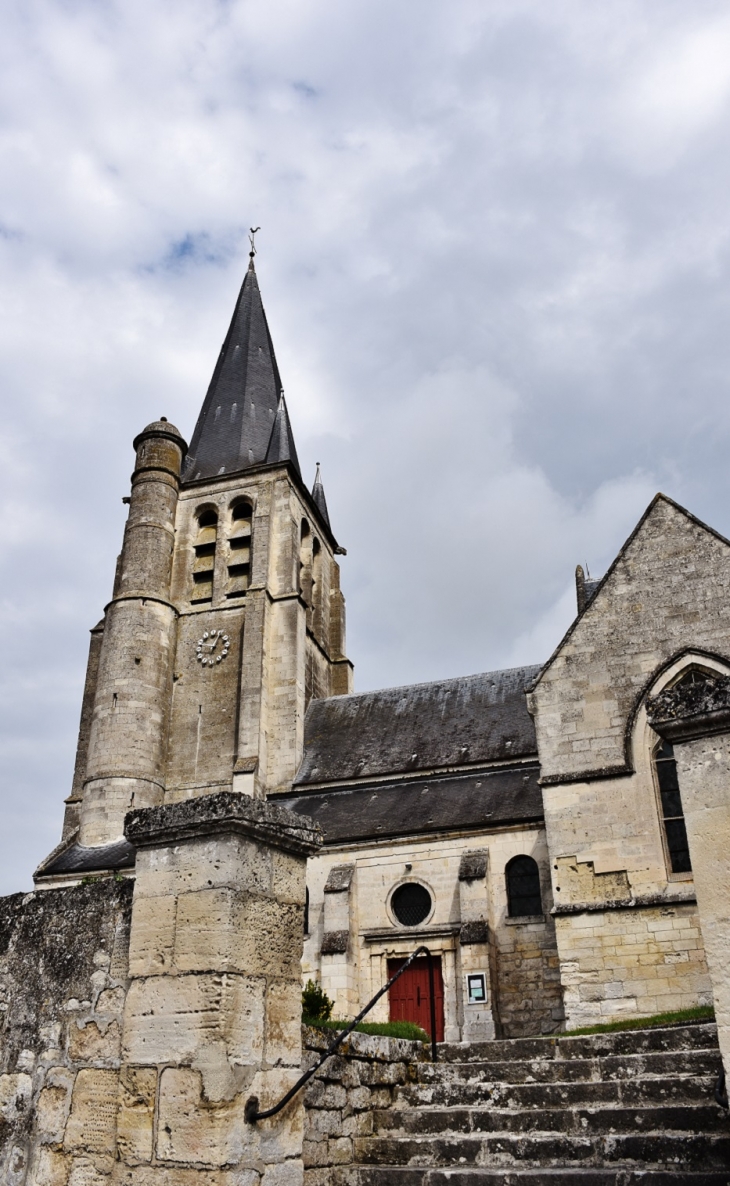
[495,254]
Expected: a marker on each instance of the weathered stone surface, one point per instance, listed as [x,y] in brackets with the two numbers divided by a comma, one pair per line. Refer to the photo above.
[92,1123]
[223,813]
[137,1087]
[169,1019]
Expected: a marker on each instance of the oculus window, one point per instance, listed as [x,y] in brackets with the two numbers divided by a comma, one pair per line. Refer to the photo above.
[411,903]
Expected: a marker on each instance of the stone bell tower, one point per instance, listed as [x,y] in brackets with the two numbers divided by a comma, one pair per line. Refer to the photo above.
[226,616]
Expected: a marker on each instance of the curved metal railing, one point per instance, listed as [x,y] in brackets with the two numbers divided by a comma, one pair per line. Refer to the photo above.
[251,1112]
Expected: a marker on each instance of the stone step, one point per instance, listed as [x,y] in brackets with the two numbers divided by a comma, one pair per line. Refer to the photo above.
[700,1118]
[699,1035]
[657,1150]
[399,1176]
[622,1066]
[691,1089]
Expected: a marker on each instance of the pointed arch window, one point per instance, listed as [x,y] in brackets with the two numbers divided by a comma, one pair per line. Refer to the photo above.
[675,832]
[239,550]
[204,551]
[524,896]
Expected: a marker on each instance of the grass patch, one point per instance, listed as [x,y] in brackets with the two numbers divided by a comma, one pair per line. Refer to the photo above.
[382,1029]
[701,1013]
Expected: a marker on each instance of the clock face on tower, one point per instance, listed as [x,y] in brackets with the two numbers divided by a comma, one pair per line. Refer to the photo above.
[212,648]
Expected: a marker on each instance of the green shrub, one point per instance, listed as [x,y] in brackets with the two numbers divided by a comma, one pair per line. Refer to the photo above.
[316,1005]
[384,1029]
[657,1021]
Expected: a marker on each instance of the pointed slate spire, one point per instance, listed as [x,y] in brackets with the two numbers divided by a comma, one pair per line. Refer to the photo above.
[281,445]
[319,498]
[237,421]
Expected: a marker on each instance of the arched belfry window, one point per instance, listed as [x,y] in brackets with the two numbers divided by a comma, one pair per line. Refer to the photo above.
[239,550]
[204,562]
[523,887]
[675,832]
[305,562]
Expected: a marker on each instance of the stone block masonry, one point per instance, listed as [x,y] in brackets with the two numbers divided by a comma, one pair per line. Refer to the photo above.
[63,982]
[139,1017]
[212,1015]
[340,1101]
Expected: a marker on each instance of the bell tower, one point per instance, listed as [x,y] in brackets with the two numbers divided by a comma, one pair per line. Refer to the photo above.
[226,617]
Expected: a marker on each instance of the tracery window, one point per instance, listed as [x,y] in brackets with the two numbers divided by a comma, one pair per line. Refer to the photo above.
[523,887]
[204,550]
[675,832]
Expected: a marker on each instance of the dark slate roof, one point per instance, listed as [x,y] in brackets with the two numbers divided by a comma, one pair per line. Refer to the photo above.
[409,807]
[236,422]
[591,586]
[319,498]
[281,444]
[476,718]
[77,859]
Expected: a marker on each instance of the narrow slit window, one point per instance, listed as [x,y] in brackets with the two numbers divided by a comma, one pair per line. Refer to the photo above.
[675,832]
[523,887]
[204,557]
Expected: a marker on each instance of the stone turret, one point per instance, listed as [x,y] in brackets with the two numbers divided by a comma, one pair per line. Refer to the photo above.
[128,731]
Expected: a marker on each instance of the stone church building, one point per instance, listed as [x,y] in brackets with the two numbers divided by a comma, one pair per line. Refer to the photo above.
[526,825]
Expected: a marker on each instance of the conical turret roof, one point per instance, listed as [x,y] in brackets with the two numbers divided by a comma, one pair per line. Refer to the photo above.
[319,498]
[281,443]
[237,424]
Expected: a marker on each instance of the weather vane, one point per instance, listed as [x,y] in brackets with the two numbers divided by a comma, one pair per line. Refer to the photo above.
[253,231]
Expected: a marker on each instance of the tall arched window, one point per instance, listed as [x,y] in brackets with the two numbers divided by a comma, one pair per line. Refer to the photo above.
[316,612]
[204,563]
[523,887]
[675,832]
[239,550]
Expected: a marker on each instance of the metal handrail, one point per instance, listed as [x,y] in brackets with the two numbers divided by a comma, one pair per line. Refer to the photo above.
[251,1111]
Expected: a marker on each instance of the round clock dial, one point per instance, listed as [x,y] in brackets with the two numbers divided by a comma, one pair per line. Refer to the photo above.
[212,648]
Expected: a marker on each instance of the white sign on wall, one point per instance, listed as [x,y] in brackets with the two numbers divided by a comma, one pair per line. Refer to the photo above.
[476,988]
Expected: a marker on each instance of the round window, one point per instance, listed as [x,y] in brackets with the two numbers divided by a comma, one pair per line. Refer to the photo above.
[411,903]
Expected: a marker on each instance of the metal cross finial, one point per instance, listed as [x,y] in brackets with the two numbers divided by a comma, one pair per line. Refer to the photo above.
[253,231]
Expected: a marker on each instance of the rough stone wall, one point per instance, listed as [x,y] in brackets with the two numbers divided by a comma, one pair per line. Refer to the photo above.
[529,993]
[365,1074]
[525,953]
[696,720]
[634,962]
[223,716]
[669,590]
[663,607]
[63,982]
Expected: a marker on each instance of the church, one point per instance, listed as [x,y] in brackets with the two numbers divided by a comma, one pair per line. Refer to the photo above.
[526,825]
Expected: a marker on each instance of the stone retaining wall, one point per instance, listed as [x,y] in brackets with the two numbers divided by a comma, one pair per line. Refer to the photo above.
[63,981]
[339,1101]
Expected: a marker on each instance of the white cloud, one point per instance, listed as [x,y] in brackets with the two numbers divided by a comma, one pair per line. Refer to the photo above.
[494,258]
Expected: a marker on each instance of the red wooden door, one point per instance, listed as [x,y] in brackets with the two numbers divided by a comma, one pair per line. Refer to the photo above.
[409,1000]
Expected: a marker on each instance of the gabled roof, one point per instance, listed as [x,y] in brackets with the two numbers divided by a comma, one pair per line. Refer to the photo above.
[237,422]
[465,800]
[600,584]
[473,719]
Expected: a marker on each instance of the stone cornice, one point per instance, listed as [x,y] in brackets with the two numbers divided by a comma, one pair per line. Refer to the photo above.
[216,815]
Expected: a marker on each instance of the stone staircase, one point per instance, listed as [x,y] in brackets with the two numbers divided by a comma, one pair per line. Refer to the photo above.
[618,1109]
